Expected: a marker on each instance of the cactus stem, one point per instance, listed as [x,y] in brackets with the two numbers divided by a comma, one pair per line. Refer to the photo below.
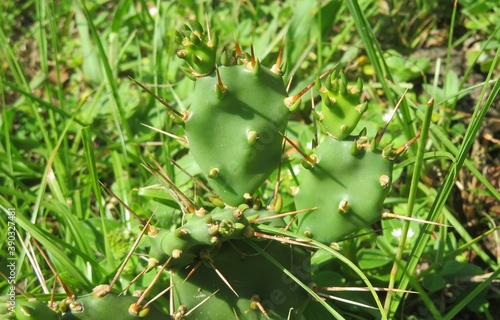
[380,134]
[289,101]
[223,278]
[163,102]
[312,160]
[255,304]
[276,68]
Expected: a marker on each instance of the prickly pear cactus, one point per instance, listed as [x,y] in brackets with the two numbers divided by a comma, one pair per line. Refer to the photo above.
[184,244]
[255,288]
[235,120]
[221,265]
[354,180]
[353,175]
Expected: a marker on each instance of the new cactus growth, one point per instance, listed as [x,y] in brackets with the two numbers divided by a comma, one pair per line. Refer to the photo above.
[185,244]
[341,105]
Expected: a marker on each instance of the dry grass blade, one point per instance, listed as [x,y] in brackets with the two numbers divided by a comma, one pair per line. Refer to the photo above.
[329,296]
[282,239]
[53,269]
[196,181]
[361,289]
[281,215]
[390,215]
[123,204]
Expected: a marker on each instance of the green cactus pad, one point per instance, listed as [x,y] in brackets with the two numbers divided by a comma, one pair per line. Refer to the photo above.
[184,244]
[234,134]
[109,306]
[33,309]
[341,107]
[251,275]
[347,186]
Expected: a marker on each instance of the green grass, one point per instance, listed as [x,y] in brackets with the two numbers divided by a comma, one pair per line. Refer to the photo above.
[72,118]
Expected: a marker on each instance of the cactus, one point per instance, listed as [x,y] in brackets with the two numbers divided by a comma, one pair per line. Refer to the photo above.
[235,120]
[259,289]
[101,305]
[220,266]
[184,244]
[353,173]
[355,181]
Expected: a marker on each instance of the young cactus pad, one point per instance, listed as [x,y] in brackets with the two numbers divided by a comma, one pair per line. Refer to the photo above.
[234,131]
[252,276]
[348,186]
[184,244]
[341,107]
